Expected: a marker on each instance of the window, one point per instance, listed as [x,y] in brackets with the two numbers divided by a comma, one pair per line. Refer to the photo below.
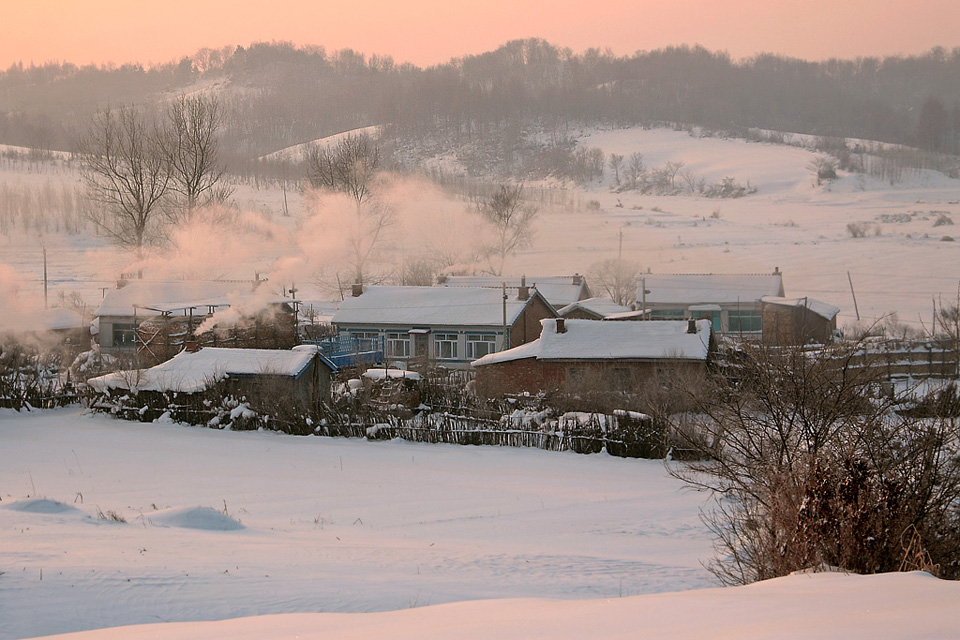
[124,334]
[398,345]
[744,320]
[367,340]
[445,346]
[479,345]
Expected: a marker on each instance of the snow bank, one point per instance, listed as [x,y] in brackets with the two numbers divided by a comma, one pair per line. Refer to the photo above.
[825,605]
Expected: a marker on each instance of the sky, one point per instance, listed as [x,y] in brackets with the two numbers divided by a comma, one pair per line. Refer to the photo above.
[426,32]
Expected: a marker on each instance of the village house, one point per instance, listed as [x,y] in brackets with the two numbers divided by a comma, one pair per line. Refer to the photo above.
[448,326]
[613,356]
[732,302]
[797,321]
[60,329]
[155,318]
[559,291]
[299,376]
[598,309]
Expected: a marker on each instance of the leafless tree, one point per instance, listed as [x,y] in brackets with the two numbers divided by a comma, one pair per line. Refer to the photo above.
[811,467]
[512,221]
[616,279]
[125,172]
[616,164]
[190,148]
[352,168]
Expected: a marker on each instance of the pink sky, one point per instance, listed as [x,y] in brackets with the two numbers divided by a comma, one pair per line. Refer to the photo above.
[430,31]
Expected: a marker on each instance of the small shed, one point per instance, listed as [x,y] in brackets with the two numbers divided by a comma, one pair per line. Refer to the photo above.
[796,321]
[301,375]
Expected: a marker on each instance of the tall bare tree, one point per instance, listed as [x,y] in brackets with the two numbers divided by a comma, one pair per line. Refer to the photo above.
[512,221]
[352,168]
[124,170]
[616,279]
[190,147]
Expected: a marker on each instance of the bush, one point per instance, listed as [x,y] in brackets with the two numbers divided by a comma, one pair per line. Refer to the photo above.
[811,468]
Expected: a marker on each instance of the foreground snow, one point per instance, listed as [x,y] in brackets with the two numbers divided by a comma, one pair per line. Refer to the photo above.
[231,524]
[914,605]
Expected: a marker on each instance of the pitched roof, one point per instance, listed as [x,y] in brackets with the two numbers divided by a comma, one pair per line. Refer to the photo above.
[430,306]
[600,307]
[709,288]
[152,297]
[189,372]
[557,290]
[592,340]
[827,311]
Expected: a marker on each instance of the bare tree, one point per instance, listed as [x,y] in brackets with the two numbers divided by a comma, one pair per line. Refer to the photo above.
[810,467]
[512,222]
[616,279]
[124,170]
[616,164]
[191,148]
[635,170]
[352,168]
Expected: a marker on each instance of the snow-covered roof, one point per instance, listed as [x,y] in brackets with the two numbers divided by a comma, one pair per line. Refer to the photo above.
[189,372]
[592,340]
[692,288]
[151,297]
[557,290]
[827,311]
[598,306]
[429,306]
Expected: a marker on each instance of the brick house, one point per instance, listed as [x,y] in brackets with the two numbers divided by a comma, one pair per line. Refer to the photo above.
[796,321]
[616,356]
[448,326]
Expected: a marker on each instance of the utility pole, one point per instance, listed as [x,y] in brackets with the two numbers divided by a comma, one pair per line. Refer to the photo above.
[505,345]
[855,308]
[44,277]
[643,296]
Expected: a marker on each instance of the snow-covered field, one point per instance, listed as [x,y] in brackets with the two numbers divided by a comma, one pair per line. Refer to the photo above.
[511,542]
[229,524]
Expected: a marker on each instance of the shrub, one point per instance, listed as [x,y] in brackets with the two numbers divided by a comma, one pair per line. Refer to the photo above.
[810,468]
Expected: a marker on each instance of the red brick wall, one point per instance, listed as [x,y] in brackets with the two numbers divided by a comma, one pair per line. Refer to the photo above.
[527,328]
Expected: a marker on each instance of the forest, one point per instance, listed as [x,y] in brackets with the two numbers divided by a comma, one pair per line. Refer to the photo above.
[276,95]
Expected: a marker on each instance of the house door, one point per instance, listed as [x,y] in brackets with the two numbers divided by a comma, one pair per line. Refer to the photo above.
[421,345]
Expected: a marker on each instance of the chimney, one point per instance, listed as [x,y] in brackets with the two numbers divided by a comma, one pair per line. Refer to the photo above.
[356,290]
[192,345]
[577,279]
[524,292]
[776,271]
[691,326]
[561,325]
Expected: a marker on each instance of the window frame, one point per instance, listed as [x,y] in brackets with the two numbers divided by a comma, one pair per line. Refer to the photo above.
[450,339]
